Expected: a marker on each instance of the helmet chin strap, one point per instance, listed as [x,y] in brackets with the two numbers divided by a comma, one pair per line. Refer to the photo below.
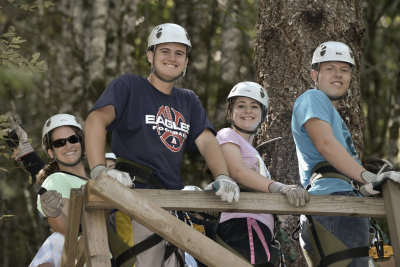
[337,98]
[254,132]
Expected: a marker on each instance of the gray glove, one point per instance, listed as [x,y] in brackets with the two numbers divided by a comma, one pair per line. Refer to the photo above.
[375,187]
[296,195]
[52,203]
[224,187]
[370,177]
[24,147]
[367,190]
[122,177]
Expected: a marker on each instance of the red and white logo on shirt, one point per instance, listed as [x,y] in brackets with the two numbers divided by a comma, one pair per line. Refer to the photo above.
[170,126]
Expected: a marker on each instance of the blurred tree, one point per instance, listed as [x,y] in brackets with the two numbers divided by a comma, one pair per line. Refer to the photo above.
[287,34]
[380,80]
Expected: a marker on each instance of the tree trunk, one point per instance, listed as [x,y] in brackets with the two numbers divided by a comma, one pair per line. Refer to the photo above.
[287,34]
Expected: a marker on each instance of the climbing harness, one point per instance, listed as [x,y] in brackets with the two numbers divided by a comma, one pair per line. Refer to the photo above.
[325,170]
[338,251]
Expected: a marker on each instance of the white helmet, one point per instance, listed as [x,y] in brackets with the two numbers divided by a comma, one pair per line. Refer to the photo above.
[168,33]
[252,90]
[59,120]
[110,156]
[333,51]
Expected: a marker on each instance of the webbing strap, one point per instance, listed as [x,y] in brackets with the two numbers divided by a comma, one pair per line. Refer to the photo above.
[325,170]
[345,254]
[150,242]
[336,256]
[252,224]
[173,249]
[142,173]
[315,236]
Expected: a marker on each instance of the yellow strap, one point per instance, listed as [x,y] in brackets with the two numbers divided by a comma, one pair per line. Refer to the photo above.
[124,227]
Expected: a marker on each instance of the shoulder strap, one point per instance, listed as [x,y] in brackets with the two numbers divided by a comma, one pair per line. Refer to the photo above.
[346,254]
[151,241]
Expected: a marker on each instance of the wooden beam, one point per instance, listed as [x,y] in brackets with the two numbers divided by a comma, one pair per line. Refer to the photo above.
[391,195]
[163,223]
[74,220]
[94,232]
[257,203]
[80,257]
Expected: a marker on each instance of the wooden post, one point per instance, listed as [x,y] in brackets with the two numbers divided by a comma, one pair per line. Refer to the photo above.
[163,223]
[94,232]
[74,219]
[391,196]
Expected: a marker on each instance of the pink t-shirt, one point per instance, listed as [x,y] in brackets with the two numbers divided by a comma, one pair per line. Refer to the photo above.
[252,160]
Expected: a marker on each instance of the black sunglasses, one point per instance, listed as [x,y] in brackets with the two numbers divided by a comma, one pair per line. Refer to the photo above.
[73,139]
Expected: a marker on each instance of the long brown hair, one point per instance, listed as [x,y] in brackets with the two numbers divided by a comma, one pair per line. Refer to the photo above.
[47,170]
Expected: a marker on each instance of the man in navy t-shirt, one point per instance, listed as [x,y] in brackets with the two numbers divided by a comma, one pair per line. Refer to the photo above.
[152,122]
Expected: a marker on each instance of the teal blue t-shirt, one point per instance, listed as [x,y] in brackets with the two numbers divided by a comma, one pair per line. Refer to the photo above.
[315,104]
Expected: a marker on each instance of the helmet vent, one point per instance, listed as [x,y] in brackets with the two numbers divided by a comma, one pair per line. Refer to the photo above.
[323,51]
[159,33]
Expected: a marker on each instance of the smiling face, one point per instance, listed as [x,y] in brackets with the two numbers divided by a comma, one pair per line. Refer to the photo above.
[333,78]
[246,113]
[169,59]
[69,153]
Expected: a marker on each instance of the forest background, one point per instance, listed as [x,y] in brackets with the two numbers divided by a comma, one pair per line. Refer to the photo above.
[57,57]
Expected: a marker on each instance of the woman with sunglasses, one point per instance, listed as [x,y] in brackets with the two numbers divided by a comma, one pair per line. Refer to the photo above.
[62,140]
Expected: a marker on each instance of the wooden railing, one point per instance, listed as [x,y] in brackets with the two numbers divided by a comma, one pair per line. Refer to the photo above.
[149,207]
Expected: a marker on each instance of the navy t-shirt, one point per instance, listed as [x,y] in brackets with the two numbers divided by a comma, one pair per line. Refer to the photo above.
[152,128]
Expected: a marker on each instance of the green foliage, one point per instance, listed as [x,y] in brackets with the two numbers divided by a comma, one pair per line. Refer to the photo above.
[10,57]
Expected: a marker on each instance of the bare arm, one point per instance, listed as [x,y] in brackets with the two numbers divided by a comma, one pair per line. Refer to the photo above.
[240,172]
[324,140]
[95,134]
[60,223]
[210,150]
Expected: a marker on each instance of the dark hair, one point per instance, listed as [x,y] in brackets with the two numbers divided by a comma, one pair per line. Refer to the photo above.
[228,109]
[47,170]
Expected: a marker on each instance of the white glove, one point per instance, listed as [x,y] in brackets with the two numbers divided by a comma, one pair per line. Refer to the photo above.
[122,177]
[191,188]
[370,177]
[367,190]
[225,187]
[24,147]
[375,187]
[297,196]
[52,203]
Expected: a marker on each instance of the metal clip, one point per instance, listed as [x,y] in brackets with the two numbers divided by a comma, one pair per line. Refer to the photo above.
[387,164]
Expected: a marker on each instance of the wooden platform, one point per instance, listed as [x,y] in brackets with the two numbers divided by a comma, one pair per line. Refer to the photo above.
[148,207]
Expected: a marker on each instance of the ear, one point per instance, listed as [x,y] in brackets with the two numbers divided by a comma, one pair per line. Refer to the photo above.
[229,113]
[150,56]
[50,152]
[187,61]
[314,75]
